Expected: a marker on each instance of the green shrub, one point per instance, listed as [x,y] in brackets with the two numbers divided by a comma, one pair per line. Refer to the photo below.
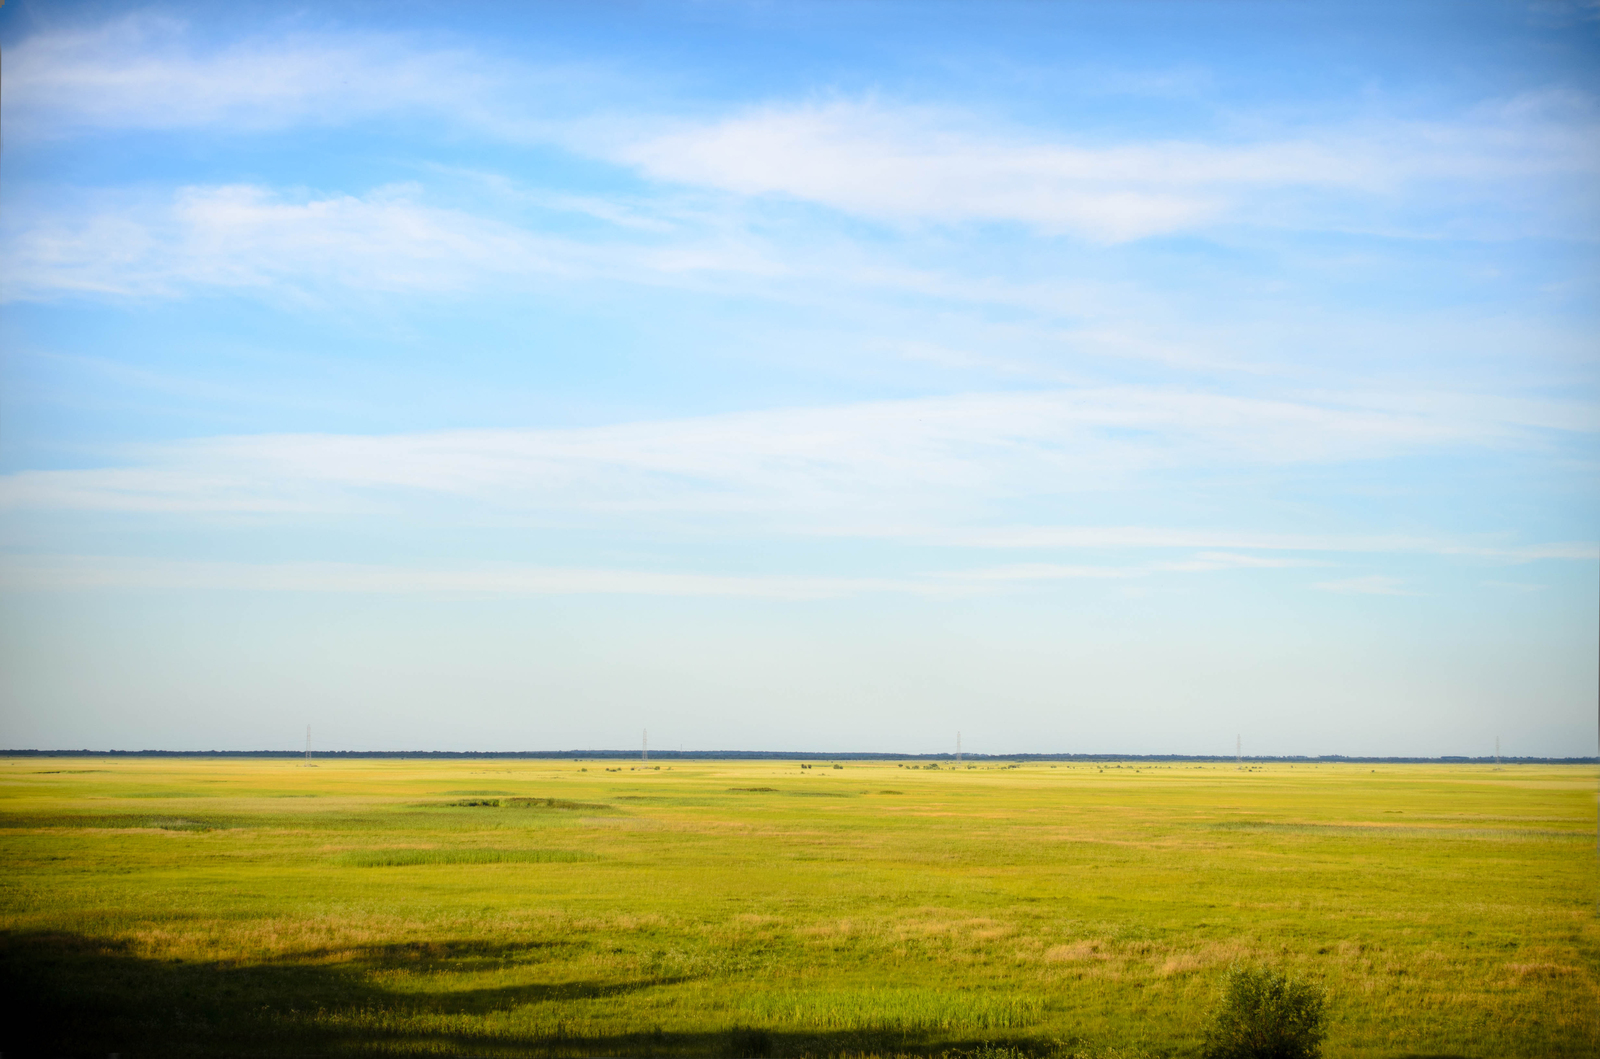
[1267,1015]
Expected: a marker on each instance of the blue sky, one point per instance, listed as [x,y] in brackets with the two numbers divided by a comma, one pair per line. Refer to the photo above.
[1079,377]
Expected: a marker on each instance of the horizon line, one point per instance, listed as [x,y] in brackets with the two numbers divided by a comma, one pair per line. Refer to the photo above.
[782,755]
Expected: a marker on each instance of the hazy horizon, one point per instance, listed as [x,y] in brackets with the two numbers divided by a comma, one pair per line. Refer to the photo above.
[1079,377]
[691,754]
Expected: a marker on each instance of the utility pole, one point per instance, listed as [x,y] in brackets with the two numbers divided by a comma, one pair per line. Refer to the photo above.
[308,744]
[644,755]
[958,748]
[1238,751]
[1497,751]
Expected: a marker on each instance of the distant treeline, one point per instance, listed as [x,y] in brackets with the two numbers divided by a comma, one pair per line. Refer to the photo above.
[784,755]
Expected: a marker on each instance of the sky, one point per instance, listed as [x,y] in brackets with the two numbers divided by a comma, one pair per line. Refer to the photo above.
[1079,377]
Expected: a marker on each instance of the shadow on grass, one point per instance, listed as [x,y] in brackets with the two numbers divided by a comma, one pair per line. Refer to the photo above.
[69,995]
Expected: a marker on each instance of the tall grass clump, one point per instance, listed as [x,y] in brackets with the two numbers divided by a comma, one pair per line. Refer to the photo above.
[1267,1015]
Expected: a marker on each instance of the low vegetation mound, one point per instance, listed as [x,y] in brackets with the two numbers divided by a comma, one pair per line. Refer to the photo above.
[1267,1015]
[527,803]
[402,858]
[37,821]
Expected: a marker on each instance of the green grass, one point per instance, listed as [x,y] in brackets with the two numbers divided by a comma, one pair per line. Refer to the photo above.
[892,1010]
[238,907]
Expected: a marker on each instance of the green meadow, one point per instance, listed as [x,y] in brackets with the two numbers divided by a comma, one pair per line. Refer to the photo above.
[516,907]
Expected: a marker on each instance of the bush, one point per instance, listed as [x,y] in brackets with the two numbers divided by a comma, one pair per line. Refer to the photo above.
[1266,1015]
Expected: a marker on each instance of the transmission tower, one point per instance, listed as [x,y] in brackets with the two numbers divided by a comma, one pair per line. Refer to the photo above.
[644,753]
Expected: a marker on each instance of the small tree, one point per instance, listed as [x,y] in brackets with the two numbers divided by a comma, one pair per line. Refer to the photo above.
[1266,1015]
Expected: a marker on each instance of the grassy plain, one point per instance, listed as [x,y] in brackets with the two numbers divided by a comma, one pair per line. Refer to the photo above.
[194,906]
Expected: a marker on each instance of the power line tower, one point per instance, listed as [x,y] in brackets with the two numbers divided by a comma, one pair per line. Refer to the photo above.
[1238,751]
[644,753]
[308,744]
[1497,751]
[958,748]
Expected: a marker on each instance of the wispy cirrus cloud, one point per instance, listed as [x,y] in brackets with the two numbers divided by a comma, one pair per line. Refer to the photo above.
[388,241]
[906,165]
[246,237]
[909,164]
[153,72]
[884,454]
[315,249]
[884,160]
[936,470]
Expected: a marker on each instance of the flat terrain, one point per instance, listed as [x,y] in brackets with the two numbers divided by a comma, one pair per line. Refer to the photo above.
[713,908]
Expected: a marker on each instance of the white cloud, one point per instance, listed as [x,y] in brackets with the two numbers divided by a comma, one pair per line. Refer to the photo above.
[1535,155]
[241,237]
[249,237]
[911,165]
[147,72]
[935,471]
[1543,413]
[916,165]
[882,459]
